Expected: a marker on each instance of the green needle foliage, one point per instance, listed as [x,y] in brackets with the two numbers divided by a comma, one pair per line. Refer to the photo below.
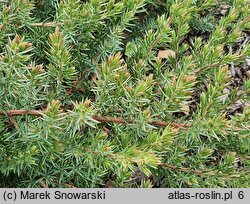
[125,93]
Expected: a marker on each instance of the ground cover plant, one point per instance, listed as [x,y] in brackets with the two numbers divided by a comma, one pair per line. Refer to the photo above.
[128,93]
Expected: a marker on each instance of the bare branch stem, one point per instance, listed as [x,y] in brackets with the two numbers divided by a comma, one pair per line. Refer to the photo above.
[104,119]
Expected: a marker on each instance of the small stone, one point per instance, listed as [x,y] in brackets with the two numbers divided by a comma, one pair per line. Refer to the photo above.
[165,54]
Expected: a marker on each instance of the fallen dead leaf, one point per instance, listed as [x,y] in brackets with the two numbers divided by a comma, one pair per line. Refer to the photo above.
[185,109]
[164,54]
[224,9]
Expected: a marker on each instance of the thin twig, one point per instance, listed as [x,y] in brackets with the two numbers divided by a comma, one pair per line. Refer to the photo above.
[105,119]
[205,68]
[21,112]
[14,122]
[110,120]
[245,20]
[210,66]
[247,157]
[164,124]
[82,76]
[244,43]
[198,172]
[183,169]
[69,185]
[43,184]
[49,24]
[232,70]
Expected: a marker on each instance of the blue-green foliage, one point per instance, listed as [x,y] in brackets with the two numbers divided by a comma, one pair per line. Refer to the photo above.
[73,62]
